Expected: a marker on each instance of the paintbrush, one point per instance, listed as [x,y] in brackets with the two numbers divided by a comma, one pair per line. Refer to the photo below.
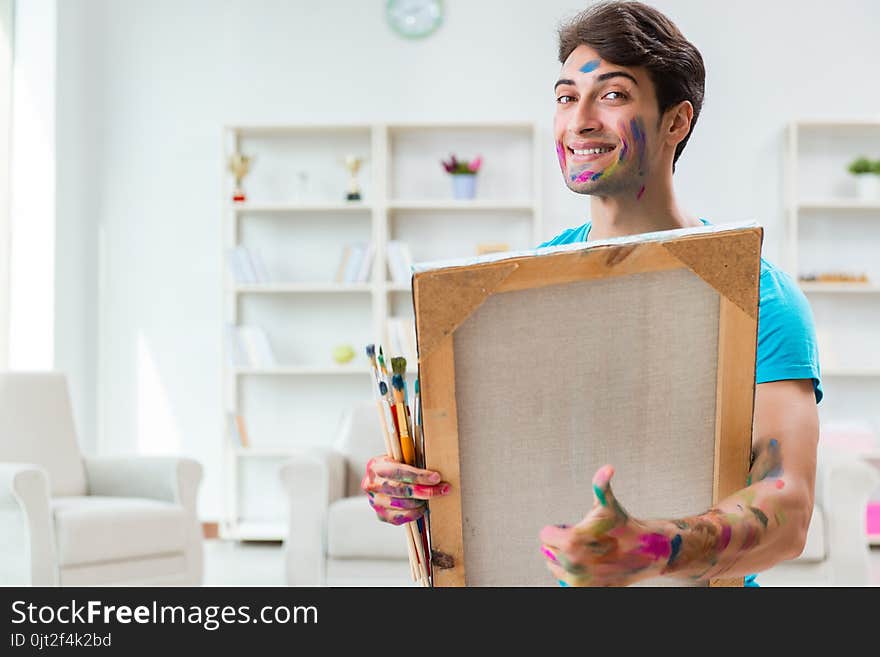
[392,449]
[398,365]
[397,384]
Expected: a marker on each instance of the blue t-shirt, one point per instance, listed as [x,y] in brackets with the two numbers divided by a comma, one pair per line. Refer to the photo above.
[786,332]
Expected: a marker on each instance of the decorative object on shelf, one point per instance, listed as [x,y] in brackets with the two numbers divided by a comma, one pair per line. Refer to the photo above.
[464,176]
[355,263]
[343,353]
[353,165]
[414,19]
[239,166]
[867,173]
[834,277]
[492,247]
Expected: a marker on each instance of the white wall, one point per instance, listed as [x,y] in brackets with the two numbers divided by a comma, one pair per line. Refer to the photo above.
[145,86]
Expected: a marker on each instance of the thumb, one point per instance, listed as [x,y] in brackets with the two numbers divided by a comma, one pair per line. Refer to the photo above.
[602,494]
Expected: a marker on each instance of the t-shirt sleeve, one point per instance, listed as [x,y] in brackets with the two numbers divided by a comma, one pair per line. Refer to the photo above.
[563,238]
[786,333]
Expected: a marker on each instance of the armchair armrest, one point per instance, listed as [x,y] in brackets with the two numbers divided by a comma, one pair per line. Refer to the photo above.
[844,484]
[168,479]
[27,540]
[312,479]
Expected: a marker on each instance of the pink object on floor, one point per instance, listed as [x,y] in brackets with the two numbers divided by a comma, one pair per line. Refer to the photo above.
[872,517]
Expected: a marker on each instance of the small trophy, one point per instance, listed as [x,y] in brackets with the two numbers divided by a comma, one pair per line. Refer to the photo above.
[239,165]
[353,165]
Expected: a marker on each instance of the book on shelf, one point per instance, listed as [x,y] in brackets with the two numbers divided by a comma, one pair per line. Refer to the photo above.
[248,346]
[355,263]
[402,338]
[237,431]
[399,261]
[246,266]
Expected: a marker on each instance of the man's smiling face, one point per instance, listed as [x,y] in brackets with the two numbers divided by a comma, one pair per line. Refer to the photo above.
[605,125]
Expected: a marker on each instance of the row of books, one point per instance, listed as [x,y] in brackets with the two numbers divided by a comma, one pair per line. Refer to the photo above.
[399,261]
[248,346]
[402,337]
[246,266]
[355,263]
[237,431]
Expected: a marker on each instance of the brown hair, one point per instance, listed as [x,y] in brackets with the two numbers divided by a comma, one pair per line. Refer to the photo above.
[634,34]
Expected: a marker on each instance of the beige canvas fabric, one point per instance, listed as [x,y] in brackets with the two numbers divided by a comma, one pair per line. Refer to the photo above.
[552,383]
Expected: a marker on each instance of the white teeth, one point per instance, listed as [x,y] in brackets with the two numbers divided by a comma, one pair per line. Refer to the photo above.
[591,151]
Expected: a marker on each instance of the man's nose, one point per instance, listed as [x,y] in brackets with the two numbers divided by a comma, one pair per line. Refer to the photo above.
[585,119]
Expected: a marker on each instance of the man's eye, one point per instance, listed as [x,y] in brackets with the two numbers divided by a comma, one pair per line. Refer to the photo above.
[564,100]
[620,95]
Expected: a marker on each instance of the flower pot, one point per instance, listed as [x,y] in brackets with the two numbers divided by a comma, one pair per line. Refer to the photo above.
[464,185]
[869,186]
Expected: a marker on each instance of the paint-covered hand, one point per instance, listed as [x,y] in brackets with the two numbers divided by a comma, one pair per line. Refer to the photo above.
[608,547]
[398,492]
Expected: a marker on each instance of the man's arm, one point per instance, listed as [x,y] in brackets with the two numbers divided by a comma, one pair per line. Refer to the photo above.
[766,522]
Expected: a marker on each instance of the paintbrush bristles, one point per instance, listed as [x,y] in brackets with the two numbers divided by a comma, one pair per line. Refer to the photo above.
[383,389]
[371,351]
[397,382]
[398,365]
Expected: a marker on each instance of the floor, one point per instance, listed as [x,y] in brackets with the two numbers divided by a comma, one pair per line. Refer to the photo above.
[230,563]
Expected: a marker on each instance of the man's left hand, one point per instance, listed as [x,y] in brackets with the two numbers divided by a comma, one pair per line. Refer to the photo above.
[608,547]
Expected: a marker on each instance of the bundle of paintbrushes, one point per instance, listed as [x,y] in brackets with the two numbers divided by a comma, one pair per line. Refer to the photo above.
[403,443]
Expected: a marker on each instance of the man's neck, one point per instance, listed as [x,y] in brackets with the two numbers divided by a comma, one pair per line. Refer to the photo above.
[656,209]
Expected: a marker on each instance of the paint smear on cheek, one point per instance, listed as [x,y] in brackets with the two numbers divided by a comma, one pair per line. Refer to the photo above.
[560,153]
[637,127]
[640,194]
[584,176]
[780,484]
[590,66]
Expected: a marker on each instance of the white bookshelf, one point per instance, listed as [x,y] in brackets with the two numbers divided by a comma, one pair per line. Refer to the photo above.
[300,230]
[830,229]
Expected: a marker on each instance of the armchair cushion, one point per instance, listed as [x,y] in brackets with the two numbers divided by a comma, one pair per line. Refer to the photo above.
[95,529]
[354,532]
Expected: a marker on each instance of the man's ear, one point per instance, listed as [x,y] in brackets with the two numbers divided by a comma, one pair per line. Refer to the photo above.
[678,122]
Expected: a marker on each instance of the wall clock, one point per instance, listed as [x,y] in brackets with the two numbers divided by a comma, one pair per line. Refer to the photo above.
[414,19]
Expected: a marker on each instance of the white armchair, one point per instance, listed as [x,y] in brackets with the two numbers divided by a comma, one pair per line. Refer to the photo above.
[837,552]
[66,520]
[332,530]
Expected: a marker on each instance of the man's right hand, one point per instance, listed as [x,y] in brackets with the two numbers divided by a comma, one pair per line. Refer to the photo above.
[397,492]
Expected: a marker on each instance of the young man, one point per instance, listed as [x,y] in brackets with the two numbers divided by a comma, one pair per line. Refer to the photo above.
[628,97]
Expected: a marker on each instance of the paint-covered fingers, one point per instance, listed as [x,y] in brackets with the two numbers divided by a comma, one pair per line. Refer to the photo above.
[394,488]
[603,496]
[386,501]
[398,515]
[567,578]
[383,466]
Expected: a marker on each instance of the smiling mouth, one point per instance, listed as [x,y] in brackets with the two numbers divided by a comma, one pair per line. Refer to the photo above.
[589,154]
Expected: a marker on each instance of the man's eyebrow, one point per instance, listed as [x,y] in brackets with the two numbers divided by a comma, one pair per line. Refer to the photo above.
[615,74]
[599,78]
[563,81]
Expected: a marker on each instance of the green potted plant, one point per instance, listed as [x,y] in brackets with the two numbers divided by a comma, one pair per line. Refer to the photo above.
[867,173]
[464,175]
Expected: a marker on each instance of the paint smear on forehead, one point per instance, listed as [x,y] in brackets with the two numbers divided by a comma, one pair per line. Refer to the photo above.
[590,66]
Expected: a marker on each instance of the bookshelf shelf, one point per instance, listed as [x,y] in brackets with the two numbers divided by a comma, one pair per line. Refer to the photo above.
[287,249]
[469,206]
[842,372]
[302,370]
[306,288]
[285,208]
[840,288]
[839,204]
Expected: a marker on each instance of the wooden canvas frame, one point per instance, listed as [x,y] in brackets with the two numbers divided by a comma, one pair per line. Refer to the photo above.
[446,294]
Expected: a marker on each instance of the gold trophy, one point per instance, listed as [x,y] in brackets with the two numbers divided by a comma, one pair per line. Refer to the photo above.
[353,165]
[239,166]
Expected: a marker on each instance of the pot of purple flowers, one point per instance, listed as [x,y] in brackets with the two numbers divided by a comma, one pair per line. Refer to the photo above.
[464,176]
